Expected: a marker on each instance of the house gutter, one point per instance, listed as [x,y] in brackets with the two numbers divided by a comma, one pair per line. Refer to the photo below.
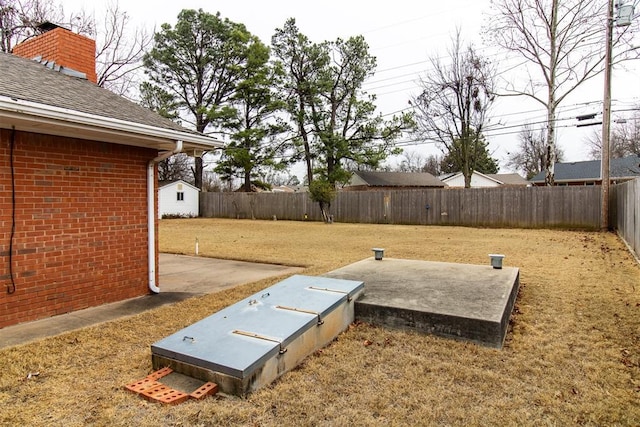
[11,108]
[151,213]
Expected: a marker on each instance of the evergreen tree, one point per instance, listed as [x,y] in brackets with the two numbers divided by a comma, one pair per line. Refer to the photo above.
[481,159]
[254,126]
[199,62]
[333,115]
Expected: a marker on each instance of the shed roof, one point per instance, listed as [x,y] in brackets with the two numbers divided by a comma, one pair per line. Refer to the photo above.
[167,183]
[39,99]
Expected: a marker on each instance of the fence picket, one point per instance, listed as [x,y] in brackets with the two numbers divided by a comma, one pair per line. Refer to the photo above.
[529,207]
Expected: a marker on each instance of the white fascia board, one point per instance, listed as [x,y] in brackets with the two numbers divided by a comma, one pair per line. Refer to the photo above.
[488,177]
[450,178]
[43,115]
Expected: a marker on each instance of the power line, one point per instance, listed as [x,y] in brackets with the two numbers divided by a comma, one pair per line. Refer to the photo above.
[430,60]
[497,132]
[541,119]
[401,23]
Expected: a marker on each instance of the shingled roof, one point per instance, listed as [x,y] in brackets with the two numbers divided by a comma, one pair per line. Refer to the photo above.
[25,82]
[509,179]
[622,168]
[395,179]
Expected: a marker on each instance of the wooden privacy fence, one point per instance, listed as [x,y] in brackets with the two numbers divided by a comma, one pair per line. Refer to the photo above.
[625,212]
[528,207]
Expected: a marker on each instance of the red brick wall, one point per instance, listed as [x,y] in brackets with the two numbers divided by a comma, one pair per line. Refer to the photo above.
[81,225]
[65,48]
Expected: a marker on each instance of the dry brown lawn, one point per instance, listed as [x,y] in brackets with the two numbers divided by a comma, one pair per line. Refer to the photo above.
[572,356]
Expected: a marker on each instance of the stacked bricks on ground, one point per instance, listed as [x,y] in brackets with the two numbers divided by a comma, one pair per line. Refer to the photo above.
[151,389]
[65,48]
[80,225]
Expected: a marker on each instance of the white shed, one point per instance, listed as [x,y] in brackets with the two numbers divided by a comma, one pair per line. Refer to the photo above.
[178,198]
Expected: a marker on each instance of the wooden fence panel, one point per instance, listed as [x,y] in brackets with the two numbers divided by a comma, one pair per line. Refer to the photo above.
[574,207]
[625,212]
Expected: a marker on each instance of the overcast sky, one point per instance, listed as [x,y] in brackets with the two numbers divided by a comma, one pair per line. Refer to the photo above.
[403,34]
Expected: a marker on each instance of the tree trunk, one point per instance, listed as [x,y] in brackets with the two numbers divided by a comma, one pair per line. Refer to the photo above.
[201,125]
[551,99]
[197,172]
[467,169]
[467,179]
[247,181]
[550,160]
[307,155]
[305,140]
[325,210]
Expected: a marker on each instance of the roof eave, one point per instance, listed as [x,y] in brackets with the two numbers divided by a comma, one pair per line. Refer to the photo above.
[490,178]
[179,181]
[41,118]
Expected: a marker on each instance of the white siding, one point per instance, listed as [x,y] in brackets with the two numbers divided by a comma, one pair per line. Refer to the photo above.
[168,203]
[477,180]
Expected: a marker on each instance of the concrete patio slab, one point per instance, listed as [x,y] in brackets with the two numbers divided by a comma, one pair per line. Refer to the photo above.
[181,277]
[461,301]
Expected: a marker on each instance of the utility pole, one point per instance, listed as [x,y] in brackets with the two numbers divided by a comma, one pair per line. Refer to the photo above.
[606,121]
[624,18]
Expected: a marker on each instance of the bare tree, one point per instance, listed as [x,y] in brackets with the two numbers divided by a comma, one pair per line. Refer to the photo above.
[531,155]
[432,165]
[212,183]
[19,20]
[119,47]
[562,40]
[120,50]
[413,161]
[175,168]
[624,140]
[454,105]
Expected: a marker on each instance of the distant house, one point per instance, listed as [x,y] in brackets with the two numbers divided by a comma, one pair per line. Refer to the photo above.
[289,189]
[78,172]
[589,173]
[178,199]
[364,181]
[481,180]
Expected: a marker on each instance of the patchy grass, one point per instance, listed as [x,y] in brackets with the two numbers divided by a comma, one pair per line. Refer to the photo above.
[572,356]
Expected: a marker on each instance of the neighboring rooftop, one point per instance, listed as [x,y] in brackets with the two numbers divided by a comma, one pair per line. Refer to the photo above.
[479,179]
[394,179]
[509,179]
[589,171]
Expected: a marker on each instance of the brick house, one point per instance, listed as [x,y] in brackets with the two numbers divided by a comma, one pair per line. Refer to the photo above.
[78,207]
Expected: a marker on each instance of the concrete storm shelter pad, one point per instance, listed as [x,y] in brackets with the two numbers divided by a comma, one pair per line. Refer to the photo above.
[249,344]
[462,301]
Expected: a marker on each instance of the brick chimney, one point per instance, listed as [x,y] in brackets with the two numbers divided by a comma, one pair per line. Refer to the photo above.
[65,48]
